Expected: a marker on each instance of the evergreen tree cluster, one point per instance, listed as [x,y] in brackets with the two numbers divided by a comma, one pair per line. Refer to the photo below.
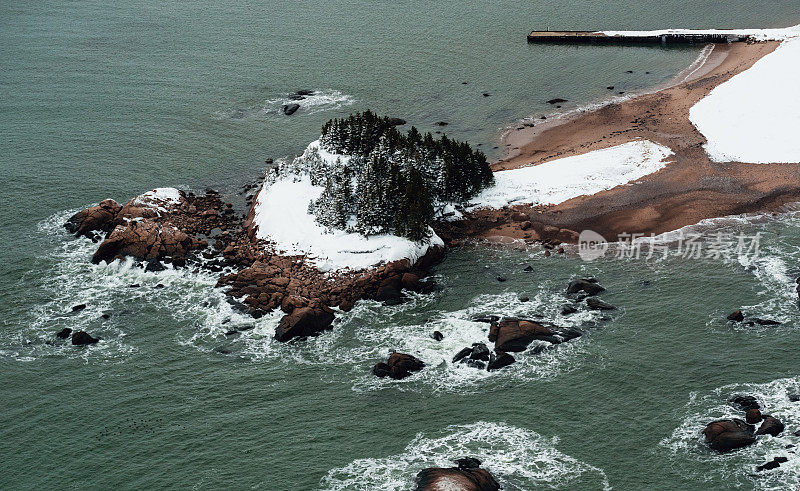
[387,181]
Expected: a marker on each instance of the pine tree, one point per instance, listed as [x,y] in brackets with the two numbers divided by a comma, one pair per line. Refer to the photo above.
[416,208]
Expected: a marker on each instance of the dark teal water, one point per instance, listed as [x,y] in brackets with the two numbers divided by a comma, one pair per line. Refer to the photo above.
[108,100]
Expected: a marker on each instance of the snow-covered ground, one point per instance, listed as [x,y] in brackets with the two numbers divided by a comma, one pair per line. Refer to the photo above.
[756,34]
[755,116]
[281,215]
[159,199]
[558,180]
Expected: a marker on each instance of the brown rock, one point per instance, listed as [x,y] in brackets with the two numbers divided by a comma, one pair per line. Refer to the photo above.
[399,366]
[514,335]
[456,478]
[98,218]
[729,434]
[753,416]
[144,239]
[304,321]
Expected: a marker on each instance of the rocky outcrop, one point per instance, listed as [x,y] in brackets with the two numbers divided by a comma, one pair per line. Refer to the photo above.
[304,322]
[498,360]
[586,285]
[753,416]
[399,366]
[468,476]
[145,239]
[729,434]
[514,335]
[271,278]
[100,218]
[770,426]
[80,338]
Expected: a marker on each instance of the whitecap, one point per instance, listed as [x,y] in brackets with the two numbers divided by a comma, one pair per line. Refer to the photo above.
[737,468]
[518,458]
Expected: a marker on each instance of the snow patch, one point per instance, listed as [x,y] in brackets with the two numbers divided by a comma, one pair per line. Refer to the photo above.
[559,180]
[754,116]
[159,198]
[281,216]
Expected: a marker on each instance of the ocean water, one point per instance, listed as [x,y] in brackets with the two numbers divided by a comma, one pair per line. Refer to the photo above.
[108,100]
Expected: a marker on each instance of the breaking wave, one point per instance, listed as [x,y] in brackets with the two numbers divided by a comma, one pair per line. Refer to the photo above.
[320,100]
[738,468]
[518,458]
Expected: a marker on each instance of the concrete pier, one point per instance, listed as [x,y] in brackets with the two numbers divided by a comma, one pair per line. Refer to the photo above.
[653,37]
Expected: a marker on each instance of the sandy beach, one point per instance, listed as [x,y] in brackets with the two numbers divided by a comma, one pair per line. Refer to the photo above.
[689,189]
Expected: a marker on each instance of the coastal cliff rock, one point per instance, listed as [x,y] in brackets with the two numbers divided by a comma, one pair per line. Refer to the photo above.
[468,476]
[169,226]
[145,239]
[98,218]
[266,282]
[729,434]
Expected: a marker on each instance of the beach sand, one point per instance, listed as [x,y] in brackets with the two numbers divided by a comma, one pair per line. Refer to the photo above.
[689,189]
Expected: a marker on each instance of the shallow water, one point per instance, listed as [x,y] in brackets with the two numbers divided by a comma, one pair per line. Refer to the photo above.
[108,101]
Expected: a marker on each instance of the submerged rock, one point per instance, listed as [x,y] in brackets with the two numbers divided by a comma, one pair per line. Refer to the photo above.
[729,434]
[399,366]
[568,309]
[737,316]
[597,304]
[762,322]
[587,285]
[305,321]
[289,109]
[744,402]
[468,476]
[64,333]
[773,464]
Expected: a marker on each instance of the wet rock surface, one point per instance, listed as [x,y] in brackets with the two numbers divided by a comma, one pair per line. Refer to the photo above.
[398,366]
[467,476]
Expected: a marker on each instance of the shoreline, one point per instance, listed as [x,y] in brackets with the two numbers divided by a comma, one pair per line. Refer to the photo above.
[515,135]
[689,189]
